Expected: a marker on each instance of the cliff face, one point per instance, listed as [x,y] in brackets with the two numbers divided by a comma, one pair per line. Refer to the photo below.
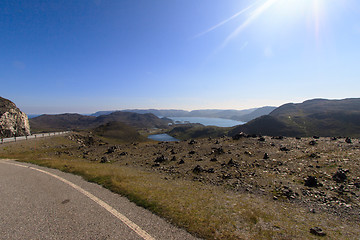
[13,122]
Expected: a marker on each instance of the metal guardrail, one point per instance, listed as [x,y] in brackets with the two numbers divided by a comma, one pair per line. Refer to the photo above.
[33,136]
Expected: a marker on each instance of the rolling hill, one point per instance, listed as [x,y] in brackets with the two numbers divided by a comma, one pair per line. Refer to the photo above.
[320,117]
[68,121]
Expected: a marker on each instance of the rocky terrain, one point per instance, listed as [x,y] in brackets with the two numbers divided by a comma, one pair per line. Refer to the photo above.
[321,174]
[13,122]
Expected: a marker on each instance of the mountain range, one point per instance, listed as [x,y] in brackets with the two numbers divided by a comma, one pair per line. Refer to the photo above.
[239,115]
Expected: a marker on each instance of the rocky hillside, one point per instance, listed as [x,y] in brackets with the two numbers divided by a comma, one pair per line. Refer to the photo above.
[76,121]
[313,117]
[13,122]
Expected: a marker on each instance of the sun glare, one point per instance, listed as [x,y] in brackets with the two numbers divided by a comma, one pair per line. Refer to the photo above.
[309,11]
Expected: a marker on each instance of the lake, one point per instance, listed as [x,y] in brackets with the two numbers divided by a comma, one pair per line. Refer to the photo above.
[163,138]
[219,122]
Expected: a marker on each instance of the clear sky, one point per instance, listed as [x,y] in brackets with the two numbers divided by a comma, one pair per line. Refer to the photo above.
[87,55]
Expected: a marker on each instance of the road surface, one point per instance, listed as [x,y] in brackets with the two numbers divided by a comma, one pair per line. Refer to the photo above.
[42,203]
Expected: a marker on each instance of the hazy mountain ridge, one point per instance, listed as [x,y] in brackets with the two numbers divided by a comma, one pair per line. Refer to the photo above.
[313,117]
[240,115]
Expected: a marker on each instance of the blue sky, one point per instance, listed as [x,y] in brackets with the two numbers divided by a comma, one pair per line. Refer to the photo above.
[84,56]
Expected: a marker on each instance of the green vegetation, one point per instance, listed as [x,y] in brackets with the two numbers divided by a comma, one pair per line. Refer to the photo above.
[118,132]
[186,132]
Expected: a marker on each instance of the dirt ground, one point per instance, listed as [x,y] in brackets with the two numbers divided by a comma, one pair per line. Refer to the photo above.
[322,174]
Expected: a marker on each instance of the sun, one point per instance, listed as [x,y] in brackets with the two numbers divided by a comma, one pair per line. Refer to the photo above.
[311,11]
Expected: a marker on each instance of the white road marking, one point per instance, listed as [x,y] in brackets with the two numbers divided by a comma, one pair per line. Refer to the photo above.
[110,209]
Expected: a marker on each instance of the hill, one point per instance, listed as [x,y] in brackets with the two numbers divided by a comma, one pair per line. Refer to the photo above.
[118,131]
[320,117]
[76,121]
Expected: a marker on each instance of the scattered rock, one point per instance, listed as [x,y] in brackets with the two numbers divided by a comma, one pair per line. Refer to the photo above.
[317,231]
[192,152]
[104,160]
[192,141]
[314,155]
[198,169]
[266,156]
[161,159]
[284,149]
[219,150]
[311,181]
[181,161]
[312,143]
[111,149]
[213,160]
[348,140]
[261,139]
[339,176]
[239,136]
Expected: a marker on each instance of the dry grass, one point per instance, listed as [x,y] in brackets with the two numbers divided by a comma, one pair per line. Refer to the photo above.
[206,211]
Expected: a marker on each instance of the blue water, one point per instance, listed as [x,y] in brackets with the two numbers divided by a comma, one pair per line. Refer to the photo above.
[219,122]
[163,138]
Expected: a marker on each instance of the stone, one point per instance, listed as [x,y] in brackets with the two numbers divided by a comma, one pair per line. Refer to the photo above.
[312,143]
[239,136]
[284,149]
[198,169]
[181,161]
[261,139]
[160,159]
[192,141]
[111,149]
[311,181]
[266,156]
[339,176]
[348,140]
[104,160]
[13,122]
[317,231]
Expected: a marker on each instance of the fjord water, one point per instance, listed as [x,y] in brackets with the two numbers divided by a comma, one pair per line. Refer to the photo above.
[218,122]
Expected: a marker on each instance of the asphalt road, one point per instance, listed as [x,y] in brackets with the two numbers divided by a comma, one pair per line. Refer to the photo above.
[42,203]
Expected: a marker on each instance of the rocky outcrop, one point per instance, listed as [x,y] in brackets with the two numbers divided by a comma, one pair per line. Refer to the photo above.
[13,122]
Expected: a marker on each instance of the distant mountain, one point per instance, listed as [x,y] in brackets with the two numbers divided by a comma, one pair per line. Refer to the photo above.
[240,115]
[255,114]
[76,121]
[320,117]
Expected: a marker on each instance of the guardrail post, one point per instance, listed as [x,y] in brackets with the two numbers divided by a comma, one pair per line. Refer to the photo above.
[35,135]
[2,140]
[15,138]
[25,137]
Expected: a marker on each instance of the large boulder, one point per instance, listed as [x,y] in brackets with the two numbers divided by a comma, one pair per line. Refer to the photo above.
[13,122]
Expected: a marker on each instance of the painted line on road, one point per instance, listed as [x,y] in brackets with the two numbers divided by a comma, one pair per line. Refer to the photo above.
[110,209]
